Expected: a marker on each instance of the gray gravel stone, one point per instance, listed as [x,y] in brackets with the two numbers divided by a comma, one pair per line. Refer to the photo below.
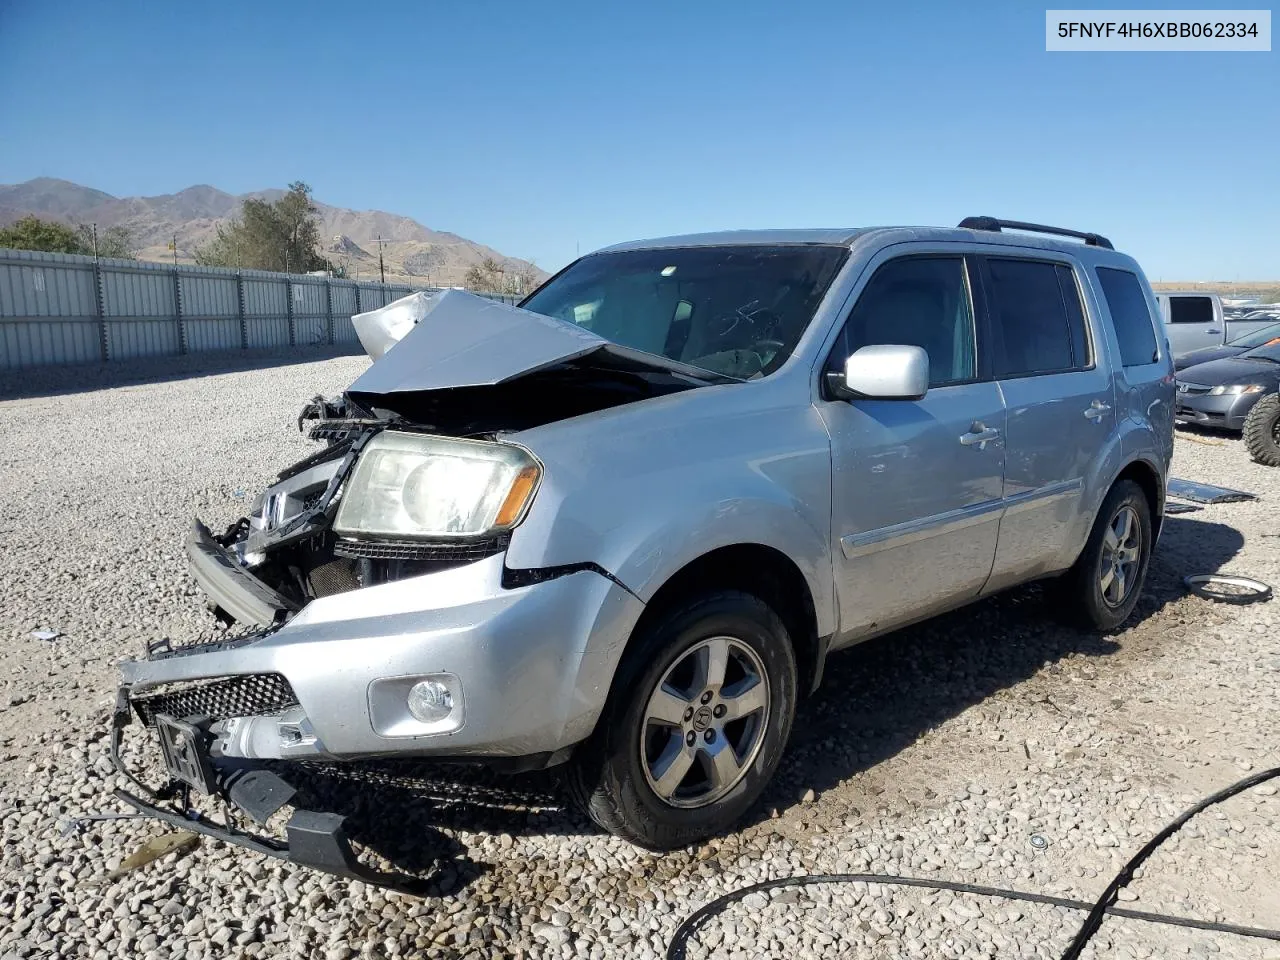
[938,752]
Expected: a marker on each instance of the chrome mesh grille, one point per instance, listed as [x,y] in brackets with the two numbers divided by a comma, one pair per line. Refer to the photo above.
[241,696]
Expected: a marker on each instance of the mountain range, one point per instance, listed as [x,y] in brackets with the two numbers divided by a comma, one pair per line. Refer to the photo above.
[411,252]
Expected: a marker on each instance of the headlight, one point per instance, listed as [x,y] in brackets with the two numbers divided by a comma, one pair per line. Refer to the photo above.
[1236,388]
[411,486]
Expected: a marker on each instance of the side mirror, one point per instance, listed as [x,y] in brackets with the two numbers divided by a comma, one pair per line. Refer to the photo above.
[883,371]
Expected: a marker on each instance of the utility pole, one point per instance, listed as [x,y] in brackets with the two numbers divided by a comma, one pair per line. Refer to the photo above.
[175,249]
[382,270]
[95,241]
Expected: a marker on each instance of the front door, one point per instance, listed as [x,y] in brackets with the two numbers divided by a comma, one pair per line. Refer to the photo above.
[916,485]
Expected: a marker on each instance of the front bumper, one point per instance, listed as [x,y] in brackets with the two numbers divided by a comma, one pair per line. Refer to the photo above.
[533,665]
[1226,411]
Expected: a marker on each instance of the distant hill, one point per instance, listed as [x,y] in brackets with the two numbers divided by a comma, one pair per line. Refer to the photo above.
[414,252]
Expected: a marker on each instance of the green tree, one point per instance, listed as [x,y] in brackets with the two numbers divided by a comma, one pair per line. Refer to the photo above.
[32,233]
[283,236]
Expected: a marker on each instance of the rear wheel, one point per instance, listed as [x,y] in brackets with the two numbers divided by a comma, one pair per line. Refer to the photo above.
[695,726]
[1262,431]
[1102,588]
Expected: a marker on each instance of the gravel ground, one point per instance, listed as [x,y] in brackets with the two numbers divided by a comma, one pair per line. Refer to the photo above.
[939,751]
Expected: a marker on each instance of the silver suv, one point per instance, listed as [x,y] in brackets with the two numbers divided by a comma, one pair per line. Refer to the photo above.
[621,527]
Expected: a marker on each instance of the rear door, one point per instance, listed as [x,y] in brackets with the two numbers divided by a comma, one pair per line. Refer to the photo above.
[916,484]
[1060,407]
[1192,323]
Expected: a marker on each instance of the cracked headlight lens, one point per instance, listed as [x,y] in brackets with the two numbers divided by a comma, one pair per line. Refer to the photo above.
[410,486]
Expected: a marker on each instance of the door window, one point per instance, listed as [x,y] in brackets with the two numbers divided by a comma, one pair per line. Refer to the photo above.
[1190,310]
[1036,318]
[917,301]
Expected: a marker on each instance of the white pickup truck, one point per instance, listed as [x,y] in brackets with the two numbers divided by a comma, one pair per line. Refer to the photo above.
[1194,320]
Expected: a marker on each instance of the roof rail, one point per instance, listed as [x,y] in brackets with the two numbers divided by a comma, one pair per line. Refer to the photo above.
[994,225]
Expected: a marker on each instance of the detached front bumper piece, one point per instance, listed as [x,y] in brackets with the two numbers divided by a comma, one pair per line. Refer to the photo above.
[315,839]
[230,586]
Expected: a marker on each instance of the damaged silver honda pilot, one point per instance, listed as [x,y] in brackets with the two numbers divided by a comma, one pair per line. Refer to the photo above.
[620,527]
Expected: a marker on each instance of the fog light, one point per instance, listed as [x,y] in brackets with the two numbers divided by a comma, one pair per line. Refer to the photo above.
[430,701]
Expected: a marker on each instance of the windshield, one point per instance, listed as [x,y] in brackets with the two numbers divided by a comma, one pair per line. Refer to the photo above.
[1268,351]
[734,310]
[1258,337]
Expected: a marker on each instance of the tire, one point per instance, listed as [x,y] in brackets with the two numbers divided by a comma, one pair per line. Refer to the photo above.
[1262,431]
[1089,598]
[614,775]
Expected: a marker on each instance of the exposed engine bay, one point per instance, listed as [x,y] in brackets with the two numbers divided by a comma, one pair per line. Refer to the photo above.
[290,543]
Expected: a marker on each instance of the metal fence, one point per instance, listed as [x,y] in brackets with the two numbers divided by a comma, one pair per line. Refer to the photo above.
[58,308]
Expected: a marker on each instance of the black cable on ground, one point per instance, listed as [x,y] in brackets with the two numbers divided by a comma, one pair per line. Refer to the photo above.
[1104,906]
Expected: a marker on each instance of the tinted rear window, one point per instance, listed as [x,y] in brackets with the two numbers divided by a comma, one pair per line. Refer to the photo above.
[1130,315]
[1190,310]
[1034,329]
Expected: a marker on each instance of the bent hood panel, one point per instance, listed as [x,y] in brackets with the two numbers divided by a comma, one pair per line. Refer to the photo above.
[462,340]
[380,330]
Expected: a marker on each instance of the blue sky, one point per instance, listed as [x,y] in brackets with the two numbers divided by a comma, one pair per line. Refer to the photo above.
[539,128]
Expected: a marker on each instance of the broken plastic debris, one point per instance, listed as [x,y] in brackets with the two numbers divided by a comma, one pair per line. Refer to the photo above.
[45,635]
[161,845]
[1206,492]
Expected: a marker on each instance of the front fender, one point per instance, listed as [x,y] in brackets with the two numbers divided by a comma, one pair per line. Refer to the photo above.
[645,489]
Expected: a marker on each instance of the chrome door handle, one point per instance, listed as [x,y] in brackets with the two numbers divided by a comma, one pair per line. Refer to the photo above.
[1097,409]
[980,434]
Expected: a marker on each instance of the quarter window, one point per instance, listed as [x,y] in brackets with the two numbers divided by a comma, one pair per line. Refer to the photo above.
[1036,317]
[1130,315]
[917,301]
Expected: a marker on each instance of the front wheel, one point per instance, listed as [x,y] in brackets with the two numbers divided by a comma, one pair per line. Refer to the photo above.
[1102,589]
[1262,431]
[695,726]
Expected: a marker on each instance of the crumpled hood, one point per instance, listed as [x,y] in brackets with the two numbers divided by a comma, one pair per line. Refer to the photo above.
[461,340]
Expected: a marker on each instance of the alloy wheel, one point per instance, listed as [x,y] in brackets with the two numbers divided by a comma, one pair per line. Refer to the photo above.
[705,722]
[1121,553]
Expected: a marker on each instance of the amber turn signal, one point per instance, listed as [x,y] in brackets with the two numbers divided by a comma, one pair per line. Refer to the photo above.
[521,491]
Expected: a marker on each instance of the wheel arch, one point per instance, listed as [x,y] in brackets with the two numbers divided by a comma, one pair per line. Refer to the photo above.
[1146,476]
[763,571]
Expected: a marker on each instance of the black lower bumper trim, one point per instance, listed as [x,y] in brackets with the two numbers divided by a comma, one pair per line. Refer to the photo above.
[316,840]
